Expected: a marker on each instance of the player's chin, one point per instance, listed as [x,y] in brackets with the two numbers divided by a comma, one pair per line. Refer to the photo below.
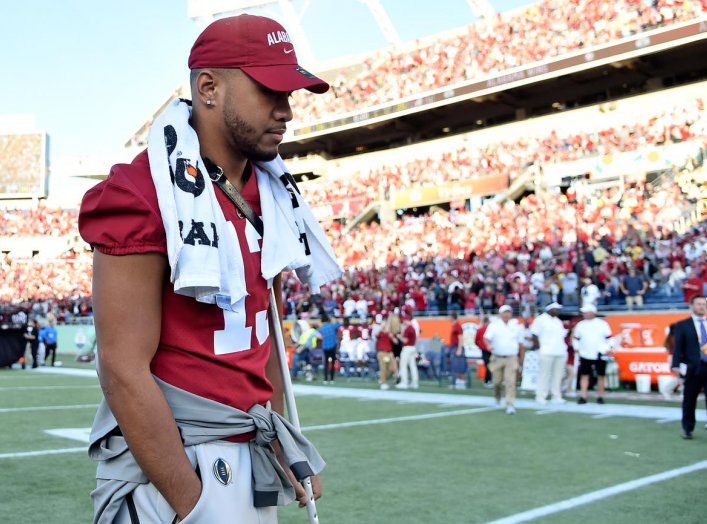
[264,154]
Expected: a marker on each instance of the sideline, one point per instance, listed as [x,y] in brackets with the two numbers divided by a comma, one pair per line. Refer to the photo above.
[593,496]
[663,413]
[407,396]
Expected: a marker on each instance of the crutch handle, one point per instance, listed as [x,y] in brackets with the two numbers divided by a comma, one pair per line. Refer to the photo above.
[311,506]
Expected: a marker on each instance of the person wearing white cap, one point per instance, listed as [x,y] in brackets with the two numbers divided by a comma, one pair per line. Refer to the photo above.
[591,338]
[503,338]
[549,335]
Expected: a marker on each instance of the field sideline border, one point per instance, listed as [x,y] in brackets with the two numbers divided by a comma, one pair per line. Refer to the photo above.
[662,413]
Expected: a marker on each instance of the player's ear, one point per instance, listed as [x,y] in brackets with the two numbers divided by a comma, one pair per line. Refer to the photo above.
[204,84]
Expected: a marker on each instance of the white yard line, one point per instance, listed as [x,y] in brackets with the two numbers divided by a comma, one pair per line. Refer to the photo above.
[373,422]
[594,496]
[48,408]
[82,433]
[613,408]
[72,372]
[43,452]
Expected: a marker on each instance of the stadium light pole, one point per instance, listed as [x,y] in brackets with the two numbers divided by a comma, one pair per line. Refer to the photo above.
[290,403]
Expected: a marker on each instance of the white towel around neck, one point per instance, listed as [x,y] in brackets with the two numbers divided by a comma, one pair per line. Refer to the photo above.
[202,246]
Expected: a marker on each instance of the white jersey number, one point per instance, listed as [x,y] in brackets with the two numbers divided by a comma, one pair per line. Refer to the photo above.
[236,335]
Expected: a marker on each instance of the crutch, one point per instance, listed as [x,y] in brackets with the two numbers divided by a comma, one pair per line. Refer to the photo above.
[292,415]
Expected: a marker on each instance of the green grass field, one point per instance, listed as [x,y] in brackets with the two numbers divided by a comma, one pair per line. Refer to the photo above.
[463,464]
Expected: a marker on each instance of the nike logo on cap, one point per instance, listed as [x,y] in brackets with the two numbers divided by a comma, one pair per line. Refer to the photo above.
[288,51]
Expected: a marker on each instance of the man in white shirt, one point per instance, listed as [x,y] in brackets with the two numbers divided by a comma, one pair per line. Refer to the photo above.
[503,339]
[537,280]
[362,308]
[591,338]
[349,307]
[590,293]
[570,283]
[549,335]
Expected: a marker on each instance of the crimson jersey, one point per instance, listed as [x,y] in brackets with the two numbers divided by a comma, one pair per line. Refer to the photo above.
[213,353]
[409,335]
[457,331]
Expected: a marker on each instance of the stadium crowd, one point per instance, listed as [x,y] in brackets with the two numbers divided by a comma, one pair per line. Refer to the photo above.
[683,122]
[547,247]
[526,254]
[60,286]
[521,37]
[38,221]
[543,249]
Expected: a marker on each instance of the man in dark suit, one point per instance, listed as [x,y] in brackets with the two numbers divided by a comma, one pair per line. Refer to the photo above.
[691,349]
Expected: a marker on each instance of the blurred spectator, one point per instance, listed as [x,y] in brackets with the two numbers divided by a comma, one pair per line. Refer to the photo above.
[634,287]
[409,376]
[591,338]
[49,336]
[485,352]
[590,293]
[503,338]
[32,338]
[456,353]
[692,287]
[328,330]
[549,337]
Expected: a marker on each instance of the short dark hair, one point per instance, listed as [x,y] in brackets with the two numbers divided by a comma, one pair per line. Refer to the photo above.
[692,300]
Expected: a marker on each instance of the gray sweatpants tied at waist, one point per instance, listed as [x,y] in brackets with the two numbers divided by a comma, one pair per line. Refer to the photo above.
[201,420]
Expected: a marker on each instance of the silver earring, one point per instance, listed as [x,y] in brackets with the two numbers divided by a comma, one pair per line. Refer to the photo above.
[208,102]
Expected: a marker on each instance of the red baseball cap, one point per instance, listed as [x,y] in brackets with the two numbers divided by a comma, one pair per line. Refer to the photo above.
[258,46]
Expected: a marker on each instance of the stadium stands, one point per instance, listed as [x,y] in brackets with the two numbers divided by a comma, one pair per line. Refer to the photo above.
[40,221]
[521,251]
[520,37]
[485,258]
[453,162]
[61,286]
[492,252]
